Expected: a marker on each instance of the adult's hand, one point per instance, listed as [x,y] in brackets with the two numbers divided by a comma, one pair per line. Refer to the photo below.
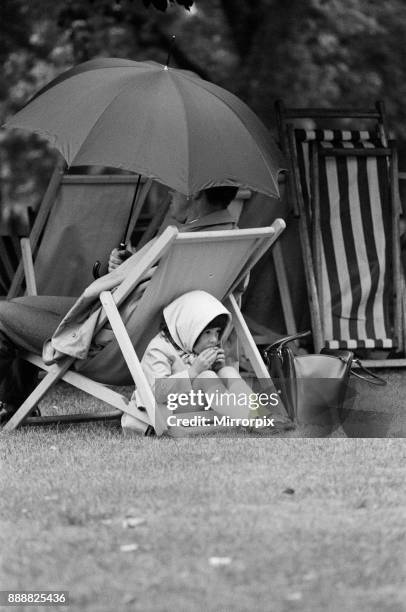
[117,256]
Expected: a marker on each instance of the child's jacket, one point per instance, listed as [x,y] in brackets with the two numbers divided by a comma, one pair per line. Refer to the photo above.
[186,318]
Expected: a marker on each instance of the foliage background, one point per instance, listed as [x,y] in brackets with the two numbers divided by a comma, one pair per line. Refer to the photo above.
[307,52]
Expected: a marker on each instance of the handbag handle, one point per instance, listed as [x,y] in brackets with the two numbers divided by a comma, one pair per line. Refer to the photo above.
[372,378]
[282,341]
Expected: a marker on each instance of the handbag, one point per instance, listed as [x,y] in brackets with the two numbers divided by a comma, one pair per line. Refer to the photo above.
[314,387]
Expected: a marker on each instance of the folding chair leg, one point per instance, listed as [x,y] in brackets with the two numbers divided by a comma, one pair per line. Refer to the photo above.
[28,265]
[247,341]
[32,400]
[113,415]
[313,298]
[132,361]
[40,222]
[284,290]
[97,390]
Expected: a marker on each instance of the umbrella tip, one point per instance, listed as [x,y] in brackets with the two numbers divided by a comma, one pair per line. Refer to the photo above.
[168,59]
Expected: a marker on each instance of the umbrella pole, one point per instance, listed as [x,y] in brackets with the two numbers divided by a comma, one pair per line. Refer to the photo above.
[123,244]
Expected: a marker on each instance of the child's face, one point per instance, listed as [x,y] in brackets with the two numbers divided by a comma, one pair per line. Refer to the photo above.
[209,338]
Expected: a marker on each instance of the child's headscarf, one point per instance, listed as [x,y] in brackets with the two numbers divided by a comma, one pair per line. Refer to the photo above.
[188,315]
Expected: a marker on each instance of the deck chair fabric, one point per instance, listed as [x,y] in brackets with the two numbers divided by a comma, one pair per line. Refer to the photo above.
[86,222]
[211,261]
[82,218]
[340,138]
[352,235]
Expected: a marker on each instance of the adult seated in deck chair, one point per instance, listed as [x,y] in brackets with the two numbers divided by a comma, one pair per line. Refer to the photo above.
[25,323]
[205,211]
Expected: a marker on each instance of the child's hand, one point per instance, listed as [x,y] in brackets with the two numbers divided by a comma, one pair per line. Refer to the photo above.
[203,361]
[220,360]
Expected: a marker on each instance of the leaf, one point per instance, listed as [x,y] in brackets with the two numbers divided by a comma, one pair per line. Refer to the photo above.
[129,547]
[130,598]
[295,596]
[132,521]
[219,561]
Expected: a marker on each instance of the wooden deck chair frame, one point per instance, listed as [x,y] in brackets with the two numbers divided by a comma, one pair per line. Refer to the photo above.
[218,275]
[9,253]
[30,246]
[286,118]
[261,334]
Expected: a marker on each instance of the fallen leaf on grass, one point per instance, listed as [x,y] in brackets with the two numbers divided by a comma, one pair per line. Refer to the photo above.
[310,576]
[132,521]
[128,547]
[219,561]
[296,596]
[127,599]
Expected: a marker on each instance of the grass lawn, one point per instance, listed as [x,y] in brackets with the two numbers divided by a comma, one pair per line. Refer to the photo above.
[226,523]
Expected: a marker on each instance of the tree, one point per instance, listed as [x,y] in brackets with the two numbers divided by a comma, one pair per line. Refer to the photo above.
[39,40]
[336,52]
[162,5]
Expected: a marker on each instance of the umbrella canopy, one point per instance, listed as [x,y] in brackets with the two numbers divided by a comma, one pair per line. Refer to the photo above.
[165,123]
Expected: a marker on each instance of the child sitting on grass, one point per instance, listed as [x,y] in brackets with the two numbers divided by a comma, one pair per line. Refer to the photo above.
[187,354]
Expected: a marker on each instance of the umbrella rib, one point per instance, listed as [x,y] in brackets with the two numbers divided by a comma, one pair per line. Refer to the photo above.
[99,118]
[201,83]
[175,85]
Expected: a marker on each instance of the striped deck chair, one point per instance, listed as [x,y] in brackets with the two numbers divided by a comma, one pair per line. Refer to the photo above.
[211,261]
[80,220]
[345,185]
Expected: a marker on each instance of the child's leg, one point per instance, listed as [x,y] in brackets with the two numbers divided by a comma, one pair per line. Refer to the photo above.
[233,381]
[235,384]
[225,400]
